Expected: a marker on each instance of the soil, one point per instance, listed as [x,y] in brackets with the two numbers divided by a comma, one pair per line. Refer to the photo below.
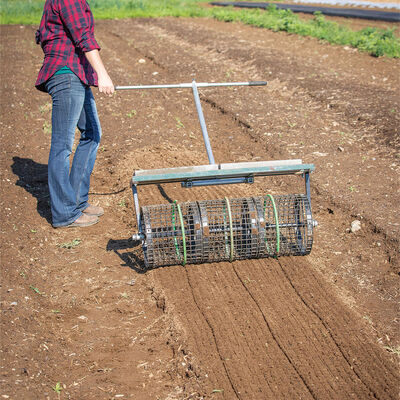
[81,318]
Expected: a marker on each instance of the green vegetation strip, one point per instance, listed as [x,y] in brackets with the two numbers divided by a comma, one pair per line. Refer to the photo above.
[377,42]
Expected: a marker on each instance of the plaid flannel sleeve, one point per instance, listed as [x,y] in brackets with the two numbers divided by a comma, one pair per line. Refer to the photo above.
[77,17]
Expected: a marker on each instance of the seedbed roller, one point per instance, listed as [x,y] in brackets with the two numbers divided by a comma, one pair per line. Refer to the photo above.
[224,229]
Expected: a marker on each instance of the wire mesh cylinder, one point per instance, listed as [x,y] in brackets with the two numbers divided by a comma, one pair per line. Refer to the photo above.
[226,230]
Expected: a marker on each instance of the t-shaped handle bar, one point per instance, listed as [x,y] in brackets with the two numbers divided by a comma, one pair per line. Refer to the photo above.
[194,87]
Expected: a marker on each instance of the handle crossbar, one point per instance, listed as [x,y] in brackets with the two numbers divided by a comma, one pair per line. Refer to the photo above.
[190,85]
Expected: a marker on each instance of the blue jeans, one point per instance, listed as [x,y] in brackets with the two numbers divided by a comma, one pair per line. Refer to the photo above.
[73,106]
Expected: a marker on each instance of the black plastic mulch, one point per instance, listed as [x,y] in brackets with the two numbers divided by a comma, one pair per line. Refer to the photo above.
[335,12]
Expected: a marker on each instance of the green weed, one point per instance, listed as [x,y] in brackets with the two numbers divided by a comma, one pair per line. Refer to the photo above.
[58,388]
[391,349]
[132,113]
[229,73]
[36,290]
[46,128]
[70,245]
[179,123]
[44,108]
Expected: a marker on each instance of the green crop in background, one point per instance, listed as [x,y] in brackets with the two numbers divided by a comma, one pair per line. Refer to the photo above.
[377,42]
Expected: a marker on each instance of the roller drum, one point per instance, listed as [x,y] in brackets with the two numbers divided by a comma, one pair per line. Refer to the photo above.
[226,230]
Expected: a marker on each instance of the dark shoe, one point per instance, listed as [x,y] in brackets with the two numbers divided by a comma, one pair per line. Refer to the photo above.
[93,210]
[82,221]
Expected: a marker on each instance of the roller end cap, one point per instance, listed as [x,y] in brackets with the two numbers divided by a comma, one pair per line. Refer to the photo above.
[136,237]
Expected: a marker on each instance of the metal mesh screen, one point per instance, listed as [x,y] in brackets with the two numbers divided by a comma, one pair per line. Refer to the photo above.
[227,230]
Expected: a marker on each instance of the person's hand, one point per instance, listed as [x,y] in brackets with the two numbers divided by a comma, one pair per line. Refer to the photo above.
[105,84]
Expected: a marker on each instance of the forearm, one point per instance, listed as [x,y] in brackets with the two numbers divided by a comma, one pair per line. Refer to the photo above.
[94,59]
[105,83]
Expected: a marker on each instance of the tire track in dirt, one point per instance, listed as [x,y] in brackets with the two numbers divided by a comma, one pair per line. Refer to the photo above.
[230,312]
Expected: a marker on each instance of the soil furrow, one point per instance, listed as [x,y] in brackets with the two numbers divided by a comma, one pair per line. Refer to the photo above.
[333,322]
[343,93]
[313,342]
[243,341]
[214,338]
[273,336]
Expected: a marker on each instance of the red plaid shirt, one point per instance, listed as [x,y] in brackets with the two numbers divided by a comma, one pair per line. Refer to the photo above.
[65,33]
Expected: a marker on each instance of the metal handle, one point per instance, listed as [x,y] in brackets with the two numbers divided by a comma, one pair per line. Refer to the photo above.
[202,123]
[189,85]
[194,85]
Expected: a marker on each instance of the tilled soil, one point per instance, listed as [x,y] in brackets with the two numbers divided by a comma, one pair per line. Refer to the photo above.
[78,306]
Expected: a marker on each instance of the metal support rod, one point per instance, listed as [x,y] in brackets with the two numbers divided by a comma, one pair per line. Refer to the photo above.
[217,181]
[202,123]
[137,209]
[172,232]
[307,184]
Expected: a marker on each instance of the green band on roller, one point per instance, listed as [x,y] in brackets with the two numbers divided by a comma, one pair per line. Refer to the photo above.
[174,228]
[228,206]
[178,207]
[183,233]
[278,236]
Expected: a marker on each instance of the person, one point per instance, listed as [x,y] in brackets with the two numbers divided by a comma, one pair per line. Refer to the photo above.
[71,65]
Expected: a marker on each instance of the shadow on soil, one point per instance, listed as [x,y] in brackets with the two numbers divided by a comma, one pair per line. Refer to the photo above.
[33,178]
[131,259]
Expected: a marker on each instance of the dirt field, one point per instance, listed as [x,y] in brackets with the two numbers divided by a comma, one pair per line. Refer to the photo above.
[79,308]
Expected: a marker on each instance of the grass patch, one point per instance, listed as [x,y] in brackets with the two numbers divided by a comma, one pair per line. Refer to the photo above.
[377,42]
